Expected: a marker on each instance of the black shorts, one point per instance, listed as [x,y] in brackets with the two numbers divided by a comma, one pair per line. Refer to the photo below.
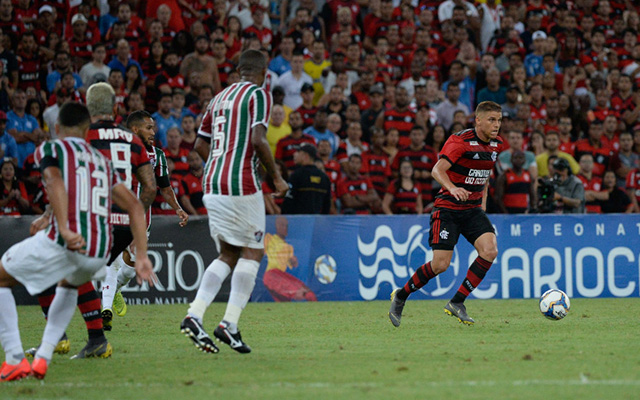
[122,237]
[447,225]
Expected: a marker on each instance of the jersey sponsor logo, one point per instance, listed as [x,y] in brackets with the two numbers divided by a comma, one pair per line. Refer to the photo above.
[477,176]
[114,134]
[494,144]
[473,143]
[119,219]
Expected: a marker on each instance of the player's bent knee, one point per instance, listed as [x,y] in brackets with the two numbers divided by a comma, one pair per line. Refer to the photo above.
[489,253]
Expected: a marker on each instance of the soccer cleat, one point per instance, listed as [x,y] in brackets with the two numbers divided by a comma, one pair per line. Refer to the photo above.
[119,305]
[107,318]
[194,331]
[39,368]
[459,311]
[234,340]
[14,372]
[63,347]
[95,350]
[395,312]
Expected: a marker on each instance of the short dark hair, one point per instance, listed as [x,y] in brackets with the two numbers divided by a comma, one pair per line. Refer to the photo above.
[252,62]
[74,114]
[488,106]
[137,117]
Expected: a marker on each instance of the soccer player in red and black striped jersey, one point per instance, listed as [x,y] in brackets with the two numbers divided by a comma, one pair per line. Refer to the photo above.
[463,171]
[68,250]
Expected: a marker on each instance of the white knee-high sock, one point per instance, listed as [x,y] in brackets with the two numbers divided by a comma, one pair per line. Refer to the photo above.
[125,274]
[243,281]
[212,280]
[9,333]
[60,314]
[109,285]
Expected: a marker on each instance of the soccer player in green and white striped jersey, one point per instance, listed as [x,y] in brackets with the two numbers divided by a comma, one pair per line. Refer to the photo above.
[232,142]
[81,184]
[142,124]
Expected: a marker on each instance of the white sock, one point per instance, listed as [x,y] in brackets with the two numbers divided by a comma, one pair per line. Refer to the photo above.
[242,282]
[60,314]
[9,333]
[212,280]
[109,286]
[125,274]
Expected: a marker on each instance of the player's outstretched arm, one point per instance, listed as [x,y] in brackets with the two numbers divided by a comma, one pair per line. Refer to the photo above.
[126,200]
[59,200]
[170,197]
[147,179]
[261,147]
[439,173]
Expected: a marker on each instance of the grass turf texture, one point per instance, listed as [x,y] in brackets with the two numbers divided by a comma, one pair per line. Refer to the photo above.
[350,350]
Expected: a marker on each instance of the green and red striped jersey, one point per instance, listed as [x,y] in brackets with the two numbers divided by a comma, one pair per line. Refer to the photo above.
[88,178]
[232,167]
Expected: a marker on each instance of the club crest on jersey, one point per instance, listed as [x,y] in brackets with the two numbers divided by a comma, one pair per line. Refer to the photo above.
[494,156]
[258,235]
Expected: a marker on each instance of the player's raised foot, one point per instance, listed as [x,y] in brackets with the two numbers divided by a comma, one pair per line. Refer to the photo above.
[14,372]
[63,347]
[395,311]
[95,350]
[459,311]
[194,331]
[107,319]
[119,305]
[234,340]
[39,368]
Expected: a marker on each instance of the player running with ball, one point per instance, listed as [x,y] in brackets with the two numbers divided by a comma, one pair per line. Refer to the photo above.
[465,164]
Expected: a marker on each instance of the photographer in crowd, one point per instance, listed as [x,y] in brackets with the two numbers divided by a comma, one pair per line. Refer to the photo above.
[564,194]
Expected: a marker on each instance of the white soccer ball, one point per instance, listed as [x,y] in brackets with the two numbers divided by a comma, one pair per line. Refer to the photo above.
[554,304]
[325,269]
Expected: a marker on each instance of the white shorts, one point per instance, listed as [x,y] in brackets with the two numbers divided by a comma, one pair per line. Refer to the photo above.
[38,263]
[237,220]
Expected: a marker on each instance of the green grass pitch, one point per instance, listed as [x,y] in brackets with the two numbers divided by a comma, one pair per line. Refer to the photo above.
[349,350]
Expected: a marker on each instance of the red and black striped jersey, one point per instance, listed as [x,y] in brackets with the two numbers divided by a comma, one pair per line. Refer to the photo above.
[192,188]
[224,68]
[308,114]
[472,161]
[423,159]
[180,165]
[29,71]
[404,201]
[633,183]
[594,184]
[602,156]
[518,188]
[379,169]
[355,187]
[126,152]
[332,169]
[621,105]
[403,121]
[289,145]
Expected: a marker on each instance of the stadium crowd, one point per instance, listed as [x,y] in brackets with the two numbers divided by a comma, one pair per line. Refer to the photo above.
[375,87]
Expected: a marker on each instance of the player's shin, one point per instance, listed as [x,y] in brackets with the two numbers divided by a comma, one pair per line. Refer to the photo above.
[89,306]
[109,286]
[476,273]
[125,274]
[243,281]
[421,277]
[9,333]
[60,315]
[212,280]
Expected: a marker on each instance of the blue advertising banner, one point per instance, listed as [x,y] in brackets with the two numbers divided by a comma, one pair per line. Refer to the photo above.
[365,258]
